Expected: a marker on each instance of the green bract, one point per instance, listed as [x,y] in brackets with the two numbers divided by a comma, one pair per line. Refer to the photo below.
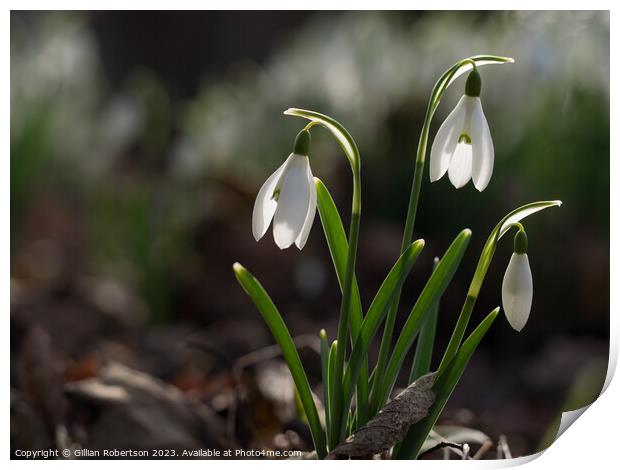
[345,375]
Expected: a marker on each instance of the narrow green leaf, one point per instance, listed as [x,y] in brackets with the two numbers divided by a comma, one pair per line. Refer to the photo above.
[331,386]
[376,312]
[338,248]
[426,340]
[432,291]
[444,386]
[280,332]
[325,376]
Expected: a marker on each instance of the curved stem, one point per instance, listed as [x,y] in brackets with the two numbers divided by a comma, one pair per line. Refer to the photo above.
[505,224]
[310,125]
[353,156]
[414,197]
[438,90]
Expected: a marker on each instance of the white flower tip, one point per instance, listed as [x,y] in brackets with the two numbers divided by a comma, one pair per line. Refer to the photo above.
[558,202]
[480,187]
[517,325]
[283,244]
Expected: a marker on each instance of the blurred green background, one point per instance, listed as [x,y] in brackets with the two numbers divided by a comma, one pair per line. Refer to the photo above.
[139,141]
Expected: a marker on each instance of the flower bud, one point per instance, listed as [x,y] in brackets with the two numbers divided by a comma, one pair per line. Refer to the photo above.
[518,287]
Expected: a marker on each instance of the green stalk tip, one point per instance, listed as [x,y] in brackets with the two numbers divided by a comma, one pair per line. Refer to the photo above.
[473,86]
[302,143]
[520,243]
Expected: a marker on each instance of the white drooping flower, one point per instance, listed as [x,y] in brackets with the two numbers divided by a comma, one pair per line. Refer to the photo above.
[518,286]
[463,146]
[289,198]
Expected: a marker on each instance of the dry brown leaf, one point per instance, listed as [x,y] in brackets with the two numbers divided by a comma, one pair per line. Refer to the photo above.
[390,425]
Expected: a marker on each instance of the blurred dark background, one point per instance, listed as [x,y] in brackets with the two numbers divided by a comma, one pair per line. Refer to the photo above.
[139,141]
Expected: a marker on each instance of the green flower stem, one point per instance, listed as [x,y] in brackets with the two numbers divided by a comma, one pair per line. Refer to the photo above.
[412,210]
[339,247]
[510,220]
[386,340]
[438,90]
[351,151]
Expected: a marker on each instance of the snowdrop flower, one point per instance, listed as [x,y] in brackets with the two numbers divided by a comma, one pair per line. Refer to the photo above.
[463,146]
[517,287]
[289,198]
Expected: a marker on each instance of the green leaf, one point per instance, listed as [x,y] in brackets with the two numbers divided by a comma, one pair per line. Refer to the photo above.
[426,340]
[331,387]
[276,324]
[444,386]
[378,308]
[481,269]
[432,291]
[325,376]
[338,248]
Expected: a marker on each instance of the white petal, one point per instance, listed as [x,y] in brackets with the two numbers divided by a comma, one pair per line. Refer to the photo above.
[460,165]
[300,241]
[293,203]
[517,291]
[482,146]
[446,140]
[265,205]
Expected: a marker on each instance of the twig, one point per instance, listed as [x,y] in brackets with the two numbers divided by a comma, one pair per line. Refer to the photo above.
[484,448]
[444,445]
[503,451]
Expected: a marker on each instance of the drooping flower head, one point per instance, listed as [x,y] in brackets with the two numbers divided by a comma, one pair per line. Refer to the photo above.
[518,287]
[289,198]
[463,146]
